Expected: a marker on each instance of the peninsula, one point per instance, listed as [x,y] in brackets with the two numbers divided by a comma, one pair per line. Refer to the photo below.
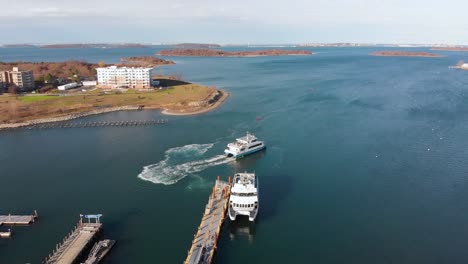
[222,53]
[395,53]
[175,97]
[144,61]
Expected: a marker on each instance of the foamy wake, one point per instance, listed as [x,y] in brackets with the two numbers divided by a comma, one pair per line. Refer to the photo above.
[177,165]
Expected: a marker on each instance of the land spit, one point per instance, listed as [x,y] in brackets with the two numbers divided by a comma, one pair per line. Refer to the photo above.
[196,107]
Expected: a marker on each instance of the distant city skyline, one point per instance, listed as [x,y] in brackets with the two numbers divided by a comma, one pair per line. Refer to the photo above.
[234,22]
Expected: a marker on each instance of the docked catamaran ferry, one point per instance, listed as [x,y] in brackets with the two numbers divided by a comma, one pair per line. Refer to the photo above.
[244,146]
[244,196]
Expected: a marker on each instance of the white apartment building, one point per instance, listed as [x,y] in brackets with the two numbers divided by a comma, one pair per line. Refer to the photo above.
[124,77]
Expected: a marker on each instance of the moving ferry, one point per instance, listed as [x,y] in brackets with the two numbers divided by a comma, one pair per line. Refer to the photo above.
[244,146]
[244,196]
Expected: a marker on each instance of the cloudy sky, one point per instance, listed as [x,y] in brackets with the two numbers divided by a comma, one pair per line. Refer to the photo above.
[238,21]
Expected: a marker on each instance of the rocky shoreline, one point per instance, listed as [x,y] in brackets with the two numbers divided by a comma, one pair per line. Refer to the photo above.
[208,105]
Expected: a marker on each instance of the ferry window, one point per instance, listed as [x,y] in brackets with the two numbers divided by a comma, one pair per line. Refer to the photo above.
[256,145]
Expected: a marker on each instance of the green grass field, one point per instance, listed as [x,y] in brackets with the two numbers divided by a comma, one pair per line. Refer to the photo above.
[36,98]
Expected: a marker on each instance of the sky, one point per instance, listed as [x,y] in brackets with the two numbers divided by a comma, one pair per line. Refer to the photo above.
[234,22]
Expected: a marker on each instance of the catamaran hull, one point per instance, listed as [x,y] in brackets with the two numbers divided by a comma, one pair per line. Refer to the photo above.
[243,154]
[251,214]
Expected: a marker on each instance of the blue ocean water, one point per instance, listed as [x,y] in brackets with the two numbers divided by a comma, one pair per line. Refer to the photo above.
[365,163]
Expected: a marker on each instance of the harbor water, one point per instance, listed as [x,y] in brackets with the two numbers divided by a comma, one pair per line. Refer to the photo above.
[365,163]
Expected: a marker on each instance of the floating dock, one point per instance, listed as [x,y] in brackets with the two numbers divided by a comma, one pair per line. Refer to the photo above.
[73,245]
[205,241]
[18,219]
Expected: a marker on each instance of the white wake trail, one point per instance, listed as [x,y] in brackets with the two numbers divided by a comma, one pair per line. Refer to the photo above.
[168,171]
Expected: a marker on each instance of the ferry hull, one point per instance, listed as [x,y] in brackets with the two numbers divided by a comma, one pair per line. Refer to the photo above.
[251,214]
[241,155]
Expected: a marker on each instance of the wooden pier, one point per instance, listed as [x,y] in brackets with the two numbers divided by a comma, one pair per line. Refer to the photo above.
[71,248]
[205,241]
[18,219]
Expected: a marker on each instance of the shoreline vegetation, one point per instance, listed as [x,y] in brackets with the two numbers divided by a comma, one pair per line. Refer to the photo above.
[144,61]
[393,53]
[221,53]
[49,71]
[179,98]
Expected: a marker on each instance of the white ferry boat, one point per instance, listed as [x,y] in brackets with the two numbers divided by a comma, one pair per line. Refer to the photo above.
[244,196]
[244,146]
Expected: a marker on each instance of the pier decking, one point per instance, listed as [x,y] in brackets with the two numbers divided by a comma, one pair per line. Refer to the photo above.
[17,219]
[206,239]
[72,246]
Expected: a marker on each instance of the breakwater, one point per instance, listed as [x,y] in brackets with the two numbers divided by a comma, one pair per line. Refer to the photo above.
[37,122]
[131,123]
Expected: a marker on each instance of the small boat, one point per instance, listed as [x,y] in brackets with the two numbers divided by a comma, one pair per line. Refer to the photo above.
[99,250]
[244,146]
[5,234]
[244,196]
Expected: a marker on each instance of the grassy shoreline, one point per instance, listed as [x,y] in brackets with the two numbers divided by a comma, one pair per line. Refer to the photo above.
[182,98]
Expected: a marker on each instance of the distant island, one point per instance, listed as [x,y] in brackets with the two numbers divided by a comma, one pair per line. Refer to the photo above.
[394,53]
[98,45]
[17,46]
[221,53]
[196,46]
[145,61]
[450,48]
